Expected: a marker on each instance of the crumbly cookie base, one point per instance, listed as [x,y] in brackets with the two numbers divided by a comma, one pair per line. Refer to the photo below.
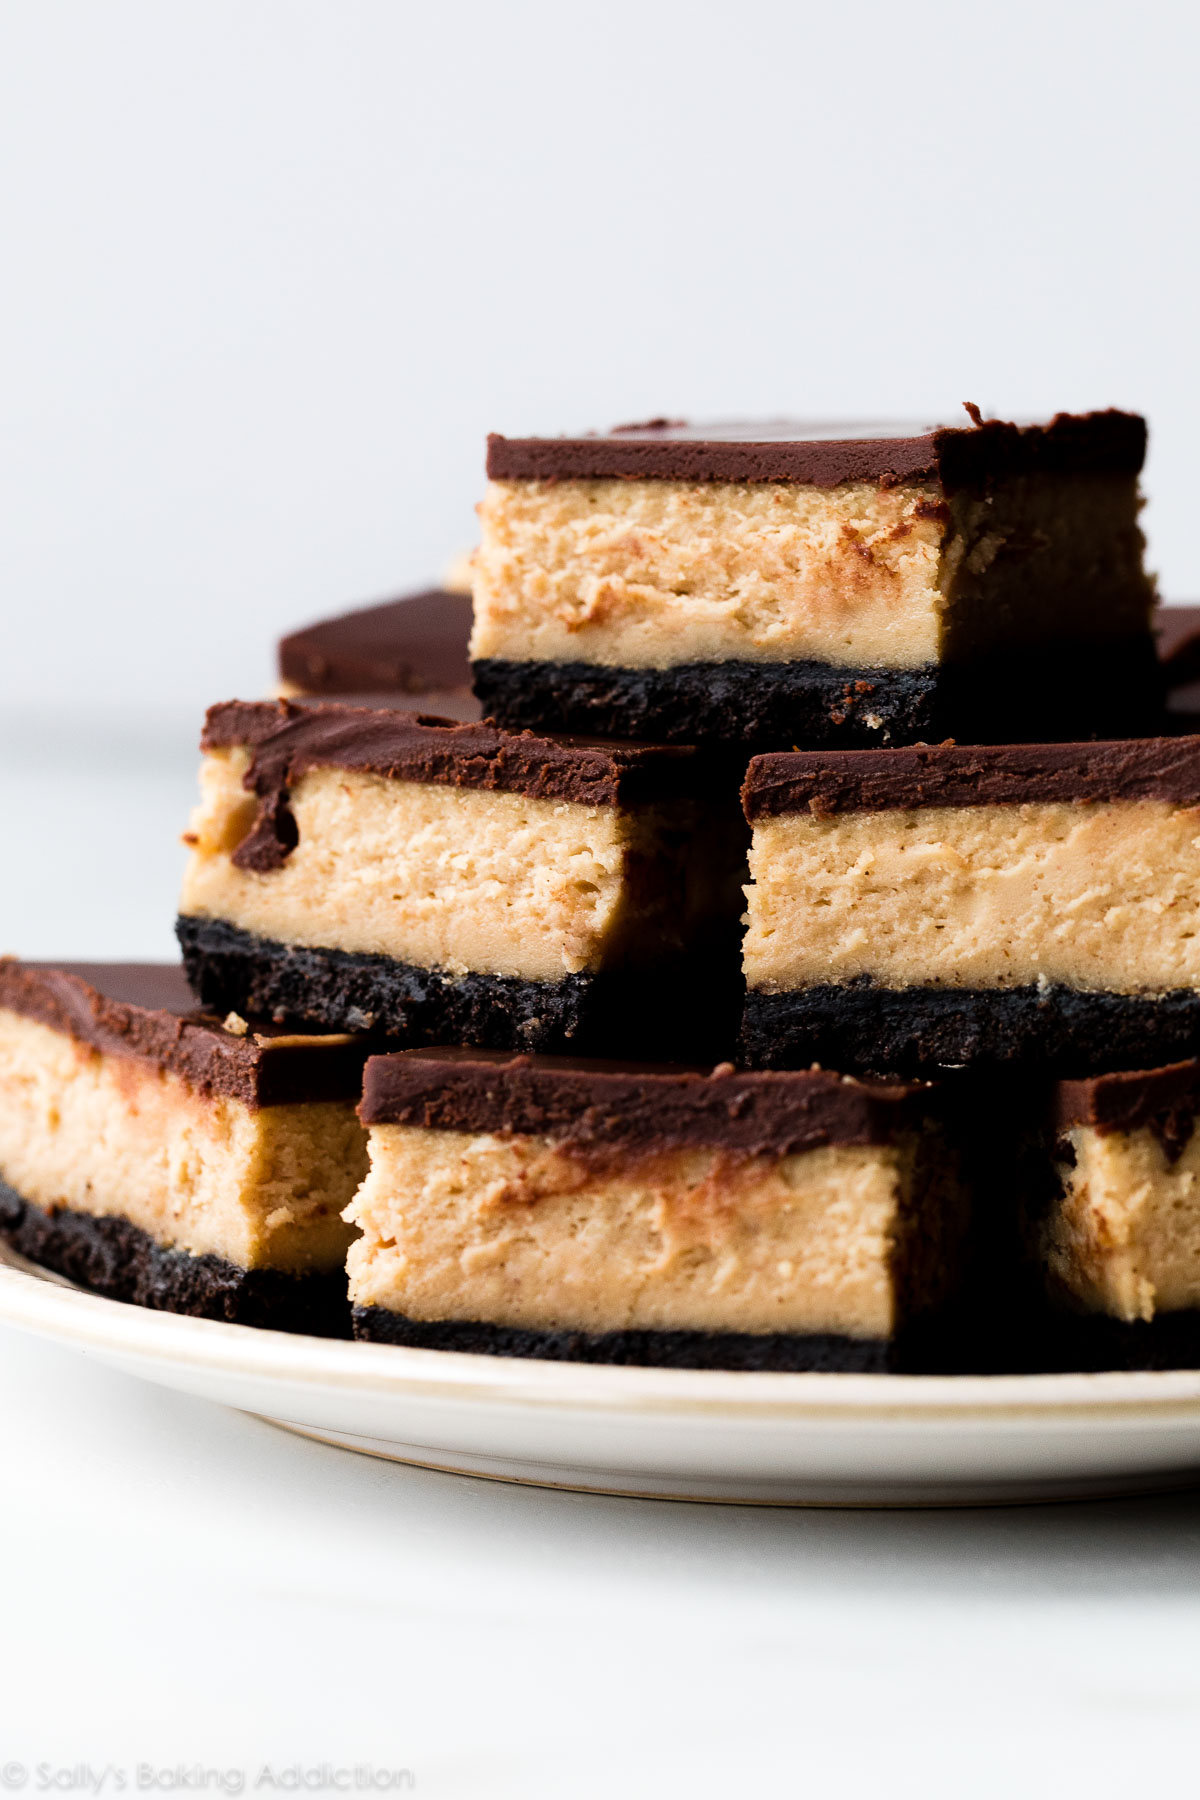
[860,1027]
[670,1013]
[644,1349]
[1090,1342]
[109,1256]
[1045,696]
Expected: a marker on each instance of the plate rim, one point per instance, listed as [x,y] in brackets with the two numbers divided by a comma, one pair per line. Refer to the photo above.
[40,1302]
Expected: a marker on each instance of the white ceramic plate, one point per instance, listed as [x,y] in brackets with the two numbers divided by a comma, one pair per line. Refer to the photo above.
[834,1440]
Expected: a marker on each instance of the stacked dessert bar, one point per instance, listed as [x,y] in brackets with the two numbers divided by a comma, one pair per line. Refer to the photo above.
[794,967]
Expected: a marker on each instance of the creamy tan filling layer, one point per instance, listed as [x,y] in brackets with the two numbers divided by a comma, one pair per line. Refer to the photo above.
[646,574]
[111,1135]
[1124,1239]
[1098,896]
[518,1231]
[443,877]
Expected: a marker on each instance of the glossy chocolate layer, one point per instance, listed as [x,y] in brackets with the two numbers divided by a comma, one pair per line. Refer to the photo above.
[288,740]
[597,1106]
[147,1011]
[946,457]
[825,782]
[1131,1099]
[457,705]
[414,645]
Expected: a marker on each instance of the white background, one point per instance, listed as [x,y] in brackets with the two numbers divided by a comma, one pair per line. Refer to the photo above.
[270,270]
[273,268]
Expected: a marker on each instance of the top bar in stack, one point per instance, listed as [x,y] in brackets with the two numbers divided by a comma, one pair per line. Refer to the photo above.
[782,585]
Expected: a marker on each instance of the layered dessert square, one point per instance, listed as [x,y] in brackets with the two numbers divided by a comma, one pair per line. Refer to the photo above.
[608,1212]
[413,646]
[780,585]
[1115,1234]
[362,869]
[942,905]
[154,1154]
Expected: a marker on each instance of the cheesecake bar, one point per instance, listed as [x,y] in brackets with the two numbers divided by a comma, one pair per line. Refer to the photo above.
[946,905]
[616,1212]
[154,1154]
[362,869]
[781,585]
[1116,1234]
[416,645]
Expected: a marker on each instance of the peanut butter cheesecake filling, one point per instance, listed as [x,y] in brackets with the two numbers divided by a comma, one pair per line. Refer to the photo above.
[806,585]
[1105,895]
[626,573]
[446,877]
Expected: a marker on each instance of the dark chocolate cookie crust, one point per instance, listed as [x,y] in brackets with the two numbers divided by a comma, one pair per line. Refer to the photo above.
[642,1349]
[860,1027]
[671,1013]
[1088,1342]
[751,704]
[1075,693]
[110,1256]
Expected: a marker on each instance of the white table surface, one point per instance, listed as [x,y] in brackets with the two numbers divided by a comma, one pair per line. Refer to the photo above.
[183,1585]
